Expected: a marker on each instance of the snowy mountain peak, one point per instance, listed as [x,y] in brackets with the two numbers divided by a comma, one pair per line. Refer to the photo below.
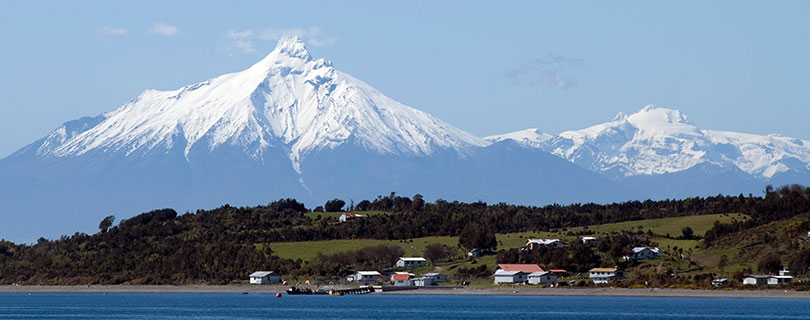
[657,140]
[660,116]
[285,103]
[292,47]
[532,137]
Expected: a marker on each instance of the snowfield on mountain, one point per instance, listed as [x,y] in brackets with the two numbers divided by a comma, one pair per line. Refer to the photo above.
[288,126]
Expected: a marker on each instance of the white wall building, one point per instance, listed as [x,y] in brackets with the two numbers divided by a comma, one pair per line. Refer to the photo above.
[605,275]
[784,277]
[264,277]
[645,253]
[405,262]
[503,276]
[550,243]
[348,216]
[436,277]
[542,278]
[366,276]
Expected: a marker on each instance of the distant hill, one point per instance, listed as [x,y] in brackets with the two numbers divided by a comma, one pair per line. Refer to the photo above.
[227,243]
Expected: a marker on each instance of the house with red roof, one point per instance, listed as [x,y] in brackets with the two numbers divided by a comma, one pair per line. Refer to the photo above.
[514,272]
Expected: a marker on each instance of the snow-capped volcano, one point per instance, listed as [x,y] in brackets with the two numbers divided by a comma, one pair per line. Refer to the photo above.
[657,141]
[289,126]
[287,100]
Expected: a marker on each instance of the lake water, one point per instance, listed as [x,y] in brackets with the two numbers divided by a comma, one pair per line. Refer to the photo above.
[267,306]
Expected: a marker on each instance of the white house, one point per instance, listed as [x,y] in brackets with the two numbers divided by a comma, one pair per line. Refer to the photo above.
[784,277]
[542,278]
[436,277]
[264,277]
[588,241]
[605,275]
[550,243]
[755,279]
[348,216]
[645,253]
[405,262]
[514,272]
[401,279]
[366,276]
[503,276]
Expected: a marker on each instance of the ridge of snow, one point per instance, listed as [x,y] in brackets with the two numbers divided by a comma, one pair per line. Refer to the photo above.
[659,140]
[532,137]
[287,100]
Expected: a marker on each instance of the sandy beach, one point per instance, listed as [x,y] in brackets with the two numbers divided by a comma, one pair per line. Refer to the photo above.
[616,292]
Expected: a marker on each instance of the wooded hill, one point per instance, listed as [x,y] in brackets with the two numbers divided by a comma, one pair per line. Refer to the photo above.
[227,243]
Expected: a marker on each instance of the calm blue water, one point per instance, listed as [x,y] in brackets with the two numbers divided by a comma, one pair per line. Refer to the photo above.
[267,306]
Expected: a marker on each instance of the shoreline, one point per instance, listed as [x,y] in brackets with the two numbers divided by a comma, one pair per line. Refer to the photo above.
[505,291]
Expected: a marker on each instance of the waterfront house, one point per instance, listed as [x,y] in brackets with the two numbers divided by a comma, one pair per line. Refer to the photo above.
[645,253]
[366,276]
[542,278]
[784,277]
[548,243]
[401,279]
[348,216]
[605,275]
[409,262]
[503,276]
[264,277]
[720,282]
[435,277]
[525,268]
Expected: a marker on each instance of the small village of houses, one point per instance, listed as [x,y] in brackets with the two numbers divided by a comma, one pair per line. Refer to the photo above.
[510,274]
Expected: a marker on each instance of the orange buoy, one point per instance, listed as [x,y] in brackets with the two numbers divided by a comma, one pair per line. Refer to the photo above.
[278,295]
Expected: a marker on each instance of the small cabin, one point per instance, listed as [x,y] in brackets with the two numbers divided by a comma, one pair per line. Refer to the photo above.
[349,216]
[645,253]
[548,243]
[503,276]
[605,275]
[411,262]
[366,277]
[264,277]
[436,277]
[542,278]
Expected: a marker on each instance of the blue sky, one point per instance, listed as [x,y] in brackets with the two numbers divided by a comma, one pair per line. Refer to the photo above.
[736,65]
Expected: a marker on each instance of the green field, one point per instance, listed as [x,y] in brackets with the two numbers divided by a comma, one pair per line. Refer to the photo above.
[307,250]
[671,226]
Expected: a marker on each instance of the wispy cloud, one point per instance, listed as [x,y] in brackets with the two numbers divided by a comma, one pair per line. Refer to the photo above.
[112,31]
[244,40]
[553,71]
[165,29]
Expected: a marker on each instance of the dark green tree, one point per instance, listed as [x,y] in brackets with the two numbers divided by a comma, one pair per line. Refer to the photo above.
[769,264]
[477,236]
[334,205]
[106,223]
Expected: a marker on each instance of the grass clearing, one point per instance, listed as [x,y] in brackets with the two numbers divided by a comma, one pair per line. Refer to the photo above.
[672,226]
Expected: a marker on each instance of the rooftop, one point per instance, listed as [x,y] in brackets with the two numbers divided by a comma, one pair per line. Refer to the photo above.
[527,268]
[260,274]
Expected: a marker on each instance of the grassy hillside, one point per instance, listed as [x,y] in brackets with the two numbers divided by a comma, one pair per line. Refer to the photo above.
[672,226]
[307,250]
